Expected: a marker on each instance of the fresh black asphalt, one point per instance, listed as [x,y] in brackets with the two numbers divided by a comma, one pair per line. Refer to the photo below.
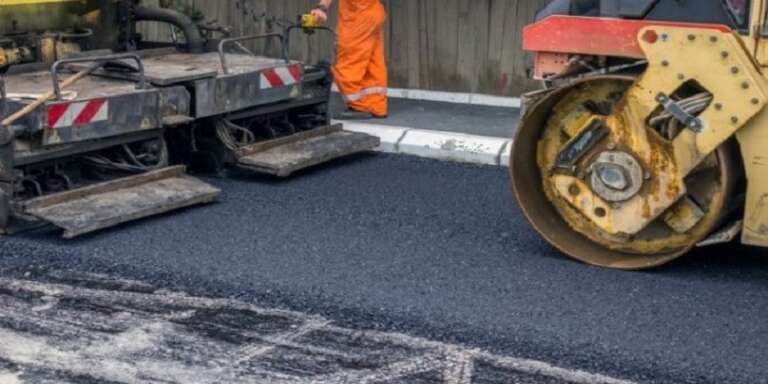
[437,250]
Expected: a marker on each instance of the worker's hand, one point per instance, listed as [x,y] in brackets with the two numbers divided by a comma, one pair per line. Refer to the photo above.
[321,16]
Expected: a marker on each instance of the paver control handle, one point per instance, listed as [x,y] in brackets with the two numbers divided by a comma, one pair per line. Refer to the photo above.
[98,62]
[225,42]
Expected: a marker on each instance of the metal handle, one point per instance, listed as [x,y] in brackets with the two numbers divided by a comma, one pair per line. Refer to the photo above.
[332,33]
[86,33]
[224,42]
[99,61]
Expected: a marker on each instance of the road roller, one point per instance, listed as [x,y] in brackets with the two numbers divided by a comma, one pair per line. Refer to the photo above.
[100,124]
[649,135]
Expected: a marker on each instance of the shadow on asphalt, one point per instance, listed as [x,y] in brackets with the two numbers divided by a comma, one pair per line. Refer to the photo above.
[331,166]
[726,262]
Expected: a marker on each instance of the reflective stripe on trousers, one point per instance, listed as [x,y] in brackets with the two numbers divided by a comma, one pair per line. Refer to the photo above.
[357,96]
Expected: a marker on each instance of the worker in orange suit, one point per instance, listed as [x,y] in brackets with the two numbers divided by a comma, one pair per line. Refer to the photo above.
[360,70]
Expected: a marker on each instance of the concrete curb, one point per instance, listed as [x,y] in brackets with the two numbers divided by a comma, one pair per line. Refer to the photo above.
[456,98]
[453,97]
[439,145]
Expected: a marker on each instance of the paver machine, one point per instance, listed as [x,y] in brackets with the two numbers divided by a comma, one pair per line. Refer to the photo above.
[100,125]
[650,135]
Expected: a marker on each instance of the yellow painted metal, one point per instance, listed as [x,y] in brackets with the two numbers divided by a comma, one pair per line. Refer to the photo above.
[45,18]
[719,63]
[11,56]
[49,15]
[694,178]
[52,49]
[753,140]
[684,216]
[309,21]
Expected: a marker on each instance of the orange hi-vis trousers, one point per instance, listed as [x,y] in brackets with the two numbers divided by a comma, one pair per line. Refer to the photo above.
[361,70]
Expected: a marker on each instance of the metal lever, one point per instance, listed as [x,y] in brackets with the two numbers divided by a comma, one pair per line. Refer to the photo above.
[692,122]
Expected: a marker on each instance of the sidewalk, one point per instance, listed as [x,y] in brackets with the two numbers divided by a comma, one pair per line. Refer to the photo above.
[446,117]
[465,133]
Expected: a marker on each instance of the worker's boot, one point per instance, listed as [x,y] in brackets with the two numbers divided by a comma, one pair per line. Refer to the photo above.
[353,114]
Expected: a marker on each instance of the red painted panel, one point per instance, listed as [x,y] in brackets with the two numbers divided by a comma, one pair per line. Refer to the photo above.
[547,64]
[89,112]
[273,78]
[295,72]
[594,35]
[55,112]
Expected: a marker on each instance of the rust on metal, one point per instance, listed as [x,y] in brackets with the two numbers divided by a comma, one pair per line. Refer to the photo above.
[551,202]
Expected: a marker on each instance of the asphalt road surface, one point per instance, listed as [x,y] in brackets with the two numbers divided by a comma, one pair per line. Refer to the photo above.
[63,327]
[437,251]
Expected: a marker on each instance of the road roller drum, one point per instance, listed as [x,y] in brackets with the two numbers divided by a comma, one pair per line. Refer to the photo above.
[647,138]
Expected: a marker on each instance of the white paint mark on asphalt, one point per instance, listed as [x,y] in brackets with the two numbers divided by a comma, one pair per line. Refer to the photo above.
[398,370]
[50,303]
[250,353]
[528,366]
[459,369]
[137,337]
[10,378]
[573,376]
[133,340]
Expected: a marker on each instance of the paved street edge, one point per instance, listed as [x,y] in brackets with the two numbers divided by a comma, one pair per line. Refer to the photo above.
[439,145]
[452,97]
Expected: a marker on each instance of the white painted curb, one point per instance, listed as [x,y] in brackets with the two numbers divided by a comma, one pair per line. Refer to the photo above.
[439,145]
[390,136]
[453,147]
[452,97]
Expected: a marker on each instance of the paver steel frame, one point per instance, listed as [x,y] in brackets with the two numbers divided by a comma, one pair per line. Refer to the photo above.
[100,152]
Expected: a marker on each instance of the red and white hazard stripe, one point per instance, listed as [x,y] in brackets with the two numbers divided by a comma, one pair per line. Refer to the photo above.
[78,114]
[281,77]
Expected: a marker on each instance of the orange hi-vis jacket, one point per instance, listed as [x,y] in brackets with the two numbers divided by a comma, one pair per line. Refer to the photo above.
[361,70]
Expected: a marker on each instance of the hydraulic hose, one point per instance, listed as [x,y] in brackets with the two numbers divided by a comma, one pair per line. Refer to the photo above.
[195,40]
